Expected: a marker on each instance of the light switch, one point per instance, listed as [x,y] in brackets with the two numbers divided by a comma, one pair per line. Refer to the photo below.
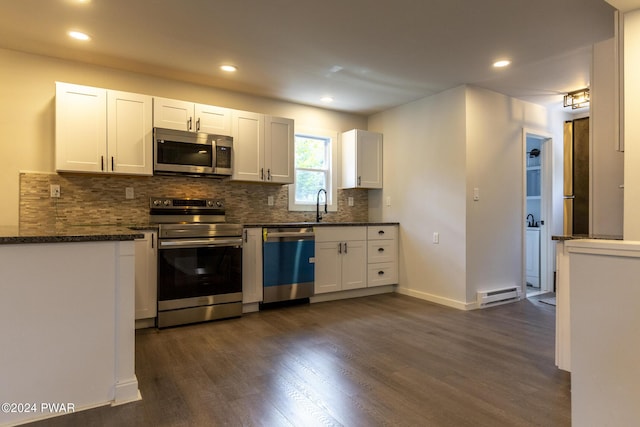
[476,194]
[350,201]
[270,200]
[436,237]
[128,192]
[388,201]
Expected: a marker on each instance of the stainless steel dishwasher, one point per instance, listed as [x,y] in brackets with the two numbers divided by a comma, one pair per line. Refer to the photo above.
[288,263]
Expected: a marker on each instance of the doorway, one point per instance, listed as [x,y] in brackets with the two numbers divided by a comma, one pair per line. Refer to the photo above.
[537,253]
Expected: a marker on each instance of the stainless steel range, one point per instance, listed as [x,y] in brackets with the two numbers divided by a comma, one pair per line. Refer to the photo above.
[199,261]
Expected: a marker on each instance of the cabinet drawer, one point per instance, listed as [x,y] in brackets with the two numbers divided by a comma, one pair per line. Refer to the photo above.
[340,234]
[381,251]
[382,232]
[384,273]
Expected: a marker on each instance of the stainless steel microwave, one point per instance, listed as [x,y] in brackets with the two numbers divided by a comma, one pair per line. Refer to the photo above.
[191,153]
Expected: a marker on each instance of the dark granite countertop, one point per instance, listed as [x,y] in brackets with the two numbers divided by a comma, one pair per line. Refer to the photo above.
[68,233]
[564,237]
[319,224]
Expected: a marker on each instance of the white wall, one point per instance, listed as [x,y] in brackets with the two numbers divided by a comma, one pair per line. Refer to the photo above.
[424,176]
[495,154]
[27,113]
[436,151]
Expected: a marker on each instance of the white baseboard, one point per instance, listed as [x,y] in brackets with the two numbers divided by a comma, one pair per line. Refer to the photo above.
[460,305]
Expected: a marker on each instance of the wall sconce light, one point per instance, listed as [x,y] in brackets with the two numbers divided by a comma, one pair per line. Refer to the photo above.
[577,99]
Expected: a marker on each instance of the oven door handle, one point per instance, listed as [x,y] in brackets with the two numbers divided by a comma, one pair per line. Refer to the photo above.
[199,243]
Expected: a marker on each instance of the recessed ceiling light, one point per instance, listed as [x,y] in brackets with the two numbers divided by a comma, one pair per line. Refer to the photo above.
[78,35]
[229,68]
[326,99]
[502,63]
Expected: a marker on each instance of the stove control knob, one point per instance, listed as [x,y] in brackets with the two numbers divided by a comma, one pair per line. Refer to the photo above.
[218,203]
[156,202]
[210,203]
[167,202]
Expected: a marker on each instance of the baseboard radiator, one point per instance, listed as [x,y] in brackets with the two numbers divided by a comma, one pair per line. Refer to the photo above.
[498,296]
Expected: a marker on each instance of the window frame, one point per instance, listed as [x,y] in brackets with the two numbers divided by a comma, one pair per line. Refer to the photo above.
[332,171]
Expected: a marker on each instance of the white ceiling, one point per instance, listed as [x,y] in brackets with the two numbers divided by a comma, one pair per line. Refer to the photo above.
[369,55]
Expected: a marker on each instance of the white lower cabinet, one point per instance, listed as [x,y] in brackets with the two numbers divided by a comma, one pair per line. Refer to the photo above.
[146,273]
[252,266]
[382,255]
[341,258]
[532,255]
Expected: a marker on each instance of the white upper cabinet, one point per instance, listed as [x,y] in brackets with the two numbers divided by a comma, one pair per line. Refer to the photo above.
[262,148]
[248,146]
[279,149]
[129,133]
[191,117]
[81,128]
[103,131]
[361,159]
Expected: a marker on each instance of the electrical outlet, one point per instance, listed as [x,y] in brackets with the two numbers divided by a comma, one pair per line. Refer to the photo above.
[128,192]
[436,238]
[350,201]
[476,194]
[270,200]
[54,190]
[388,201]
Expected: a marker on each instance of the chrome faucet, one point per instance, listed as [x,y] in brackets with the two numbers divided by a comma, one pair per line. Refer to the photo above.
[318,216]
[531,223]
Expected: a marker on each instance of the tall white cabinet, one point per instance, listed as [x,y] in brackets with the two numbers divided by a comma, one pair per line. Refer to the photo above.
[103,131]
[361,159]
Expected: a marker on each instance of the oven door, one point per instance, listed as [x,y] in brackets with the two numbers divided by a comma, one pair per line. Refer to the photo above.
[194,272]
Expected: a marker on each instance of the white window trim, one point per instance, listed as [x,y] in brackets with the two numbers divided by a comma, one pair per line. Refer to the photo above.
[333,173]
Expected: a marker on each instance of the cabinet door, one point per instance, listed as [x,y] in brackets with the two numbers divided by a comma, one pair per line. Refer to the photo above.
[129,136]
[279,150]
[248,146]
[211,119]
[173,114]
[369,159]
[532,254]
[252,266]
[354,264]
[146,276]
[81,128]
[328,267]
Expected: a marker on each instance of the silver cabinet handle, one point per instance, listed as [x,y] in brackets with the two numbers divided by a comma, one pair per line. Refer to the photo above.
[246,236]
[112,163]
[345,247]
[339,248]
[359,181]
[198,125]
[101,163]
[269,174]
[189,124]
[262,174]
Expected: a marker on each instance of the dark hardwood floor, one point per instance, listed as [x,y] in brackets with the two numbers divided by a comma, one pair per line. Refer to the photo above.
[374,361]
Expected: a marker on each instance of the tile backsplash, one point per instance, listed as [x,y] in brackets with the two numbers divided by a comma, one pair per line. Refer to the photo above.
[100,199]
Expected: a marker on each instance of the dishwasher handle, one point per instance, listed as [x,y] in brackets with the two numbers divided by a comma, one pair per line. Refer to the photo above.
[279,234]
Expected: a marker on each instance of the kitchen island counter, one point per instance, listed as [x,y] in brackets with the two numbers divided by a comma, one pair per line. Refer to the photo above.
[68,307]
[68,233]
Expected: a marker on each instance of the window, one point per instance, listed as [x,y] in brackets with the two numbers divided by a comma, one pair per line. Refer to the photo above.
[315,154]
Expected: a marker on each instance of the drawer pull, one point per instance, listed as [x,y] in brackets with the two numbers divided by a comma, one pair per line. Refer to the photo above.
[381,232]
[380,249]
[380,273]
